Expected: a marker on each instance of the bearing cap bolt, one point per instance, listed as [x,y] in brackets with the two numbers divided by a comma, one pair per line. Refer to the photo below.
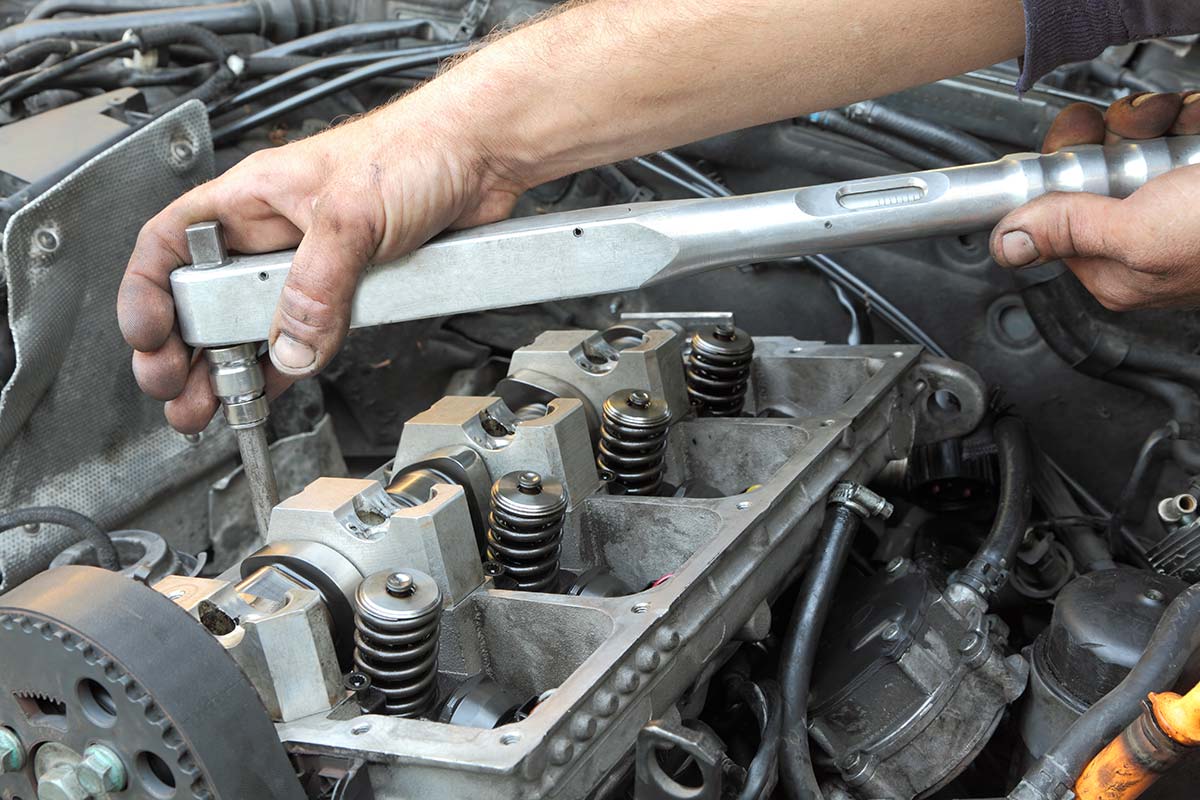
[101,771]
[400,584]
[12,754]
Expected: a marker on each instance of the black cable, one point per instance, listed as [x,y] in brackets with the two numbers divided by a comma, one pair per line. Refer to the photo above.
[892,145]
[767,706]
[47,9]
[34,82]
[351,35]
[962,146]
[1176,639]
[800,648]
[33,54]
[106,551]
[313,68]
[109,79]
[389,65]
[244,16]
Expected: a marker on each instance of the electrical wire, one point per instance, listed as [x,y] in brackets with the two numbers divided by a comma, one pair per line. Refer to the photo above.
[41,77]
[102,543]
[231,131]
[350,35]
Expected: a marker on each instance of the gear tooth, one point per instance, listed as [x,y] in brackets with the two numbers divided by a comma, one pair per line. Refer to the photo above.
[172,738]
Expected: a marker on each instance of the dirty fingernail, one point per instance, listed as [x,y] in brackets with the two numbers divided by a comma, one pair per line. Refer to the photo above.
[291,354]
[1018,248]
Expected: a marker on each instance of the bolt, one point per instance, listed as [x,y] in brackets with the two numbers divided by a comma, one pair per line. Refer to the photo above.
[192,438]
[530,483]
[12,754]
[183,151]
[895,565]
[46,240]
[852,762]
[725,331]
[101,771]
[892,632]
[970,642]
[400,584]
[639,399]
[32,527]
[61,783]
[1155,596]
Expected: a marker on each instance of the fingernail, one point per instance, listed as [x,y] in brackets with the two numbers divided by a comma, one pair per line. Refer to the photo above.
[1191,98]
[291,354]
[1018,249]
[1137,101]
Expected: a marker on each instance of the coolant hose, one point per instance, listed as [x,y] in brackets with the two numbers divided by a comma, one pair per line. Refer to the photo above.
[800,649]
[988,570]
[885,142]
[106,551]
[1175,640]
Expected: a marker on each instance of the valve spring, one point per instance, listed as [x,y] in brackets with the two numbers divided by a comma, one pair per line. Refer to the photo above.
[718,370]
[525,529]
[396,639]
[633,442]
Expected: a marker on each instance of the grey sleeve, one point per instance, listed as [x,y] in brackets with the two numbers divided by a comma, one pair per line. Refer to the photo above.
[1061,31]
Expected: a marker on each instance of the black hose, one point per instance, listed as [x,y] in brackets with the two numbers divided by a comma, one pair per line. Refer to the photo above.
[389,65]
[987,572]
[800,649]
[106,551]
[49,8]
[1088,549]
[892,145]
[313,68]
[951,141]
[1175,640]
[350,35]
[42,77]
[1175,364]
[245,16]
[766,705]
[34,53]
[109,79]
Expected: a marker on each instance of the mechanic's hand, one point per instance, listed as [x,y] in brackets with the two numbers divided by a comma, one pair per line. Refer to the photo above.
[371,189]
[1140,252]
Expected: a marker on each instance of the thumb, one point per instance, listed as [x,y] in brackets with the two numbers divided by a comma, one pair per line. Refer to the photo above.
[314,305]
[1057,226]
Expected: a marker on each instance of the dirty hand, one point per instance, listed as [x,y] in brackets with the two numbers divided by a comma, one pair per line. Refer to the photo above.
[1140,252]
[370,189]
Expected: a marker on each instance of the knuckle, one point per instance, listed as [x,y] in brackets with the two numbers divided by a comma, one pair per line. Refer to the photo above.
[307,311]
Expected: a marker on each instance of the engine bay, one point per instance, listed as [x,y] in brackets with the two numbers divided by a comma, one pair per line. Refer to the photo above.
[890,523]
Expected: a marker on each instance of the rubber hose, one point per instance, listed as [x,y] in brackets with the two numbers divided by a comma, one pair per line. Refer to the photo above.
[766,705]
[30,55]
[892,145]
[49,8]
[988,570]
[1176,364]
[344,36]
[222,18]
[106,551]
[800,649]
[1175,640]
[951,141]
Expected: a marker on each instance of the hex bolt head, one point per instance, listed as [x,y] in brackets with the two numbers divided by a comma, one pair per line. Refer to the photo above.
[400,584]
[892,632]
[12,752]
[61,783]
[101,771]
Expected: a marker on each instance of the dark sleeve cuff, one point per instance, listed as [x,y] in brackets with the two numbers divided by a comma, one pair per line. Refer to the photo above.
[1058,32]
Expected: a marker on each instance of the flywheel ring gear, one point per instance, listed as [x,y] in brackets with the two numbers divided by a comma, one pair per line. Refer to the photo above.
[90,657]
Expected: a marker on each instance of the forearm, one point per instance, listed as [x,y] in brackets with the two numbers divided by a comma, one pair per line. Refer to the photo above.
[606,80]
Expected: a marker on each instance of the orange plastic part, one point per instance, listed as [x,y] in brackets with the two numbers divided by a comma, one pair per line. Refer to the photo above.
[1179,717]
